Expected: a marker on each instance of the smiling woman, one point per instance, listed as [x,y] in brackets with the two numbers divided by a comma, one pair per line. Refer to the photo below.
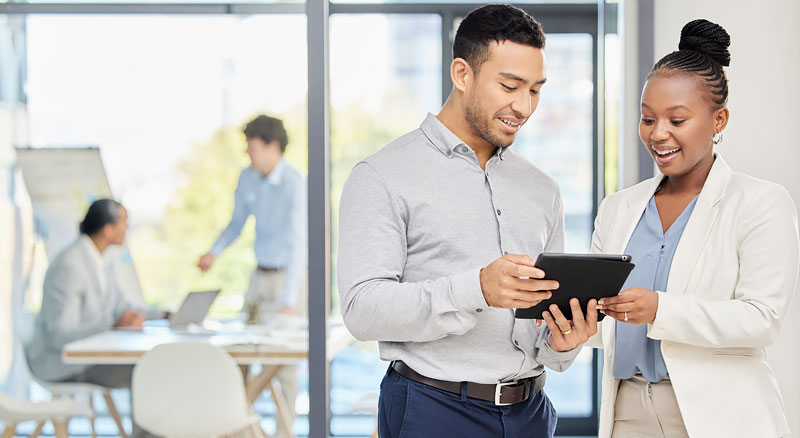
[720,247]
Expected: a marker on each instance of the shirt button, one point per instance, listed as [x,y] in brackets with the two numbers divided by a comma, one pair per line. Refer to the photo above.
[464,149]
[505,252]
[516,342]
[479,310]
[498,212]
[449,153]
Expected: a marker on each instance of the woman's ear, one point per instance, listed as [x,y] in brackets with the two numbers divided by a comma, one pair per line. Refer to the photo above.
[721,119]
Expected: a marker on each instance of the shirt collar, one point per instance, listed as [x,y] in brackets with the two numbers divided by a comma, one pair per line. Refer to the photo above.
[275,176]
[444,139]
[94,253]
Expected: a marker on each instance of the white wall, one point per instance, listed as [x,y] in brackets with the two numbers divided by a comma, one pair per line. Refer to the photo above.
[762,137]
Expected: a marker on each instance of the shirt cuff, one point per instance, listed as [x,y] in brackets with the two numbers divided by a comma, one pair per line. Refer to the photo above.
[666,303]
[216,250]
[557,360]
[153,313]
[466,293]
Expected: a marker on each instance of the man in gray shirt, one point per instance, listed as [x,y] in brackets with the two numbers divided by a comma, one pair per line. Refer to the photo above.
[437,234]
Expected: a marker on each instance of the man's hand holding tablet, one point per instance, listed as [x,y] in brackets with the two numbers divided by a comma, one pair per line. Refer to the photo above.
[514,281]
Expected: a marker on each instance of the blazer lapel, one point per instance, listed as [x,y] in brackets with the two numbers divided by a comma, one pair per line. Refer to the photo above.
[699,226]
[629,214]
[89,265]
[625,219]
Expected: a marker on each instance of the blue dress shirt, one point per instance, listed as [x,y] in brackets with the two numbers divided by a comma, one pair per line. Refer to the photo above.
[652,251]
[278,201]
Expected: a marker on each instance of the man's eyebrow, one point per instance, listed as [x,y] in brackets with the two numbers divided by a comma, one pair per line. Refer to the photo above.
[514,77]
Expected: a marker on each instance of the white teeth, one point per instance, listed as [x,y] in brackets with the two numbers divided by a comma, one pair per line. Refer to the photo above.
[667,152]
[509,123]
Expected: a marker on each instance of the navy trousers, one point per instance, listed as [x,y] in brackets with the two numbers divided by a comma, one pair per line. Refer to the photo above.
[409,409]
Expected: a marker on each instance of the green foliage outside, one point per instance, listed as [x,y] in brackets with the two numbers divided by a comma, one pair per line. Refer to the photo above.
[166,254]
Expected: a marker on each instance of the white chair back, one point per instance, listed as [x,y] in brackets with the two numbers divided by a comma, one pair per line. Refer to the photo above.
[189,390]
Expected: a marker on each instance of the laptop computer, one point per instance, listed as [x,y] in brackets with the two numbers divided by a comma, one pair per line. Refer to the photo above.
[193,310]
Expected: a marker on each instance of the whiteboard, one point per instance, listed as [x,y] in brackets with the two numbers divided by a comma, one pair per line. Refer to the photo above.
[62,183]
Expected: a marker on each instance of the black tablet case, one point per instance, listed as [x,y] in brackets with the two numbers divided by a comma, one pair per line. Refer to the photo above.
[582,276]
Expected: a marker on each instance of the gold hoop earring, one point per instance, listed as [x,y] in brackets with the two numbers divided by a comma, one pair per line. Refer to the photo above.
[717,138]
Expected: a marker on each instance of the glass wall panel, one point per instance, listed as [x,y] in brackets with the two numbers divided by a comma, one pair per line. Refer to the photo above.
[558,139]
[165,98]
[385,77]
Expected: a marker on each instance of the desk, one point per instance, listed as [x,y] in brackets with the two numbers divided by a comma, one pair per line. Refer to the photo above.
[272,347]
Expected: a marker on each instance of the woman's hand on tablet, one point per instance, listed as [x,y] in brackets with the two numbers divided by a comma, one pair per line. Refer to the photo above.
[635,306]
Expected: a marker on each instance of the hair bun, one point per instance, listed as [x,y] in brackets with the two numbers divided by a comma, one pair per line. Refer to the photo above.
[707,38]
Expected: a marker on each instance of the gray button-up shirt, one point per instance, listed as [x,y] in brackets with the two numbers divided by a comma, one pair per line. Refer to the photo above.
[418,220]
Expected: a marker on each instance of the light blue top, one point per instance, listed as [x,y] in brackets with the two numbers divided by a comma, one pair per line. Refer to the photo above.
[278,202]
[652,251]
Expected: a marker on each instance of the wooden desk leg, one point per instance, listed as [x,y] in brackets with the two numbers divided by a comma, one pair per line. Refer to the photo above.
[38,431]
[11,430]
[257,431]
[258,383]
[112,410]
[61,429]
[94,414]
[282,411]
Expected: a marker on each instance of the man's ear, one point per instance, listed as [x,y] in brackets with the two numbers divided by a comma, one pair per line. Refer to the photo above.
[461,74]
[274,145]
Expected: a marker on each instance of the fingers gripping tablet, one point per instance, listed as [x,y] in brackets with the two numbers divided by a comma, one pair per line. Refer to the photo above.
[581,276]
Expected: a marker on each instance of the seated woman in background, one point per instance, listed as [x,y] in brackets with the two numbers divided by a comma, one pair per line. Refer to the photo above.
[721,249]
[81,298]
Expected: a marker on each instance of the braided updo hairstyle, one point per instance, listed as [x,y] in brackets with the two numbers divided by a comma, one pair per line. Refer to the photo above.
[702,51]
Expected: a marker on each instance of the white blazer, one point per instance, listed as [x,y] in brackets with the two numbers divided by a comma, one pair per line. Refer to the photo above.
[731,281]
[74,306]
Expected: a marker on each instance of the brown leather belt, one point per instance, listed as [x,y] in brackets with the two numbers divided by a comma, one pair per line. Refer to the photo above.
[269,269]
[505,393]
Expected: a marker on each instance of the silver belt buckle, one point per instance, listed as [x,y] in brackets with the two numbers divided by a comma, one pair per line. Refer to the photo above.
[497,390]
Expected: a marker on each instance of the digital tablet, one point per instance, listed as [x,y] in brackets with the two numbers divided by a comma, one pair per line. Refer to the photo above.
[581,276]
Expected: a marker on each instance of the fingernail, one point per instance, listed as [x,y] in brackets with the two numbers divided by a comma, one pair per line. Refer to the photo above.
[555,285]
[601,302]
[599,307]
[549,294]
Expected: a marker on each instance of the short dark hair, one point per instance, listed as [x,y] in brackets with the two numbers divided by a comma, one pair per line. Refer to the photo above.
[703,52]
[268,129]
[496,23]
[101,213]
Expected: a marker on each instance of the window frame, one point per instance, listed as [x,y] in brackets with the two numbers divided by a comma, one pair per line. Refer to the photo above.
[592,19]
